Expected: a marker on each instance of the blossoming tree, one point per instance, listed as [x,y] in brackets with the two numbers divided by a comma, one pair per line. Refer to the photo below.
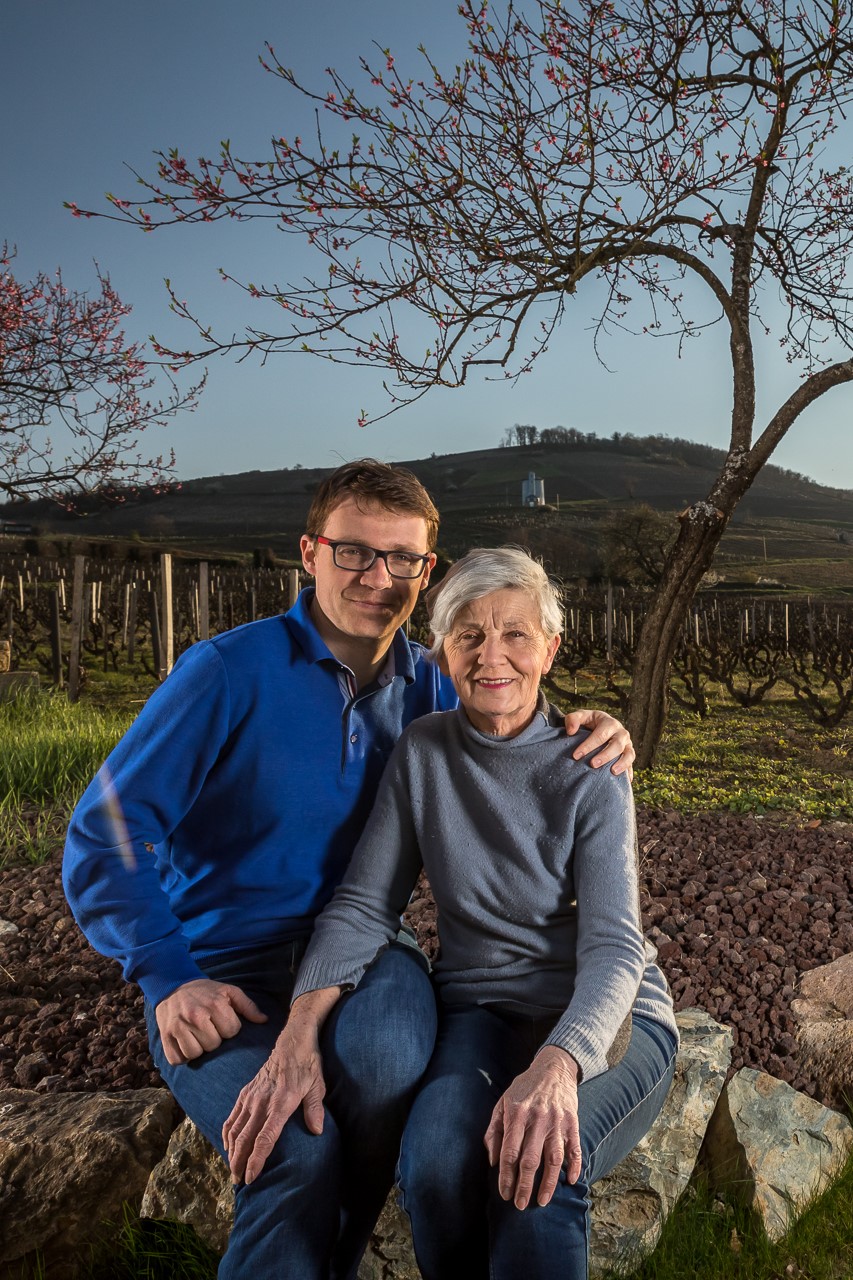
[636,142]
[73,391]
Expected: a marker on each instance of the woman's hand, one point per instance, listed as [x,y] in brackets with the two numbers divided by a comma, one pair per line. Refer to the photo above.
[608,737]
[292,1075]
[536,1123]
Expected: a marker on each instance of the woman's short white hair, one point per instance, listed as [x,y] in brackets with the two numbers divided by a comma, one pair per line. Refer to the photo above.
[488,569]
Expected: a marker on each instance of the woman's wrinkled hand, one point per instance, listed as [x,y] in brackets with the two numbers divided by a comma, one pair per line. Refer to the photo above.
[535,1123]
[292,1075]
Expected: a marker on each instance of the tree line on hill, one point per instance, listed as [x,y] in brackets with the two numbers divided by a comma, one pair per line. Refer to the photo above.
[657,447]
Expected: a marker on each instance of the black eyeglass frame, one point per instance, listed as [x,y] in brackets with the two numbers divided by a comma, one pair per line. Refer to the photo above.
[377,555]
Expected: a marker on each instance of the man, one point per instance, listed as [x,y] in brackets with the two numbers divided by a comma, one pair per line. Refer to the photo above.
[218,829]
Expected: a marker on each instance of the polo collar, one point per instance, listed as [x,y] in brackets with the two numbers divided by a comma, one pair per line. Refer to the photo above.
[301,626]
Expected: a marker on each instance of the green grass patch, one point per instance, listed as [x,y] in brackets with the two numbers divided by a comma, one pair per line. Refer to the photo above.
[134,1249]
[143,1249]
[51,748]
[707,1238]
[770,758]
[759,760]
[30,833]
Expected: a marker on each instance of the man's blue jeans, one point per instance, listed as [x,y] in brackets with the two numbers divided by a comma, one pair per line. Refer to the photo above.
[309,1214]
[461,1227]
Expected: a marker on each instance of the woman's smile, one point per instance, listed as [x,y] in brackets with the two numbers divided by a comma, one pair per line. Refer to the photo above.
[496,654]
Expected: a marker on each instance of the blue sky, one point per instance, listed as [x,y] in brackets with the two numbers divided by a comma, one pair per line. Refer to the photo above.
[90,87]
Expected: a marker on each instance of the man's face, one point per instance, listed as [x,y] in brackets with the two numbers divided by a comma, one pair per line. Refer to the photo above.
[366,605]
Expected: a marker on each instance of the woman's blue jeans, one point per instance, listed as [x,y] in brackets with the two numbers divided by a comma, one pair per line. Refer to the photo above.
[462,1228]
[309,1214]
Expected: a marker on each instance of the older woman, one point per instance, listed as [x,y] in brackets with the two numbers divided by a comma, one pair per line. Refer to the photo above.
[557,1040]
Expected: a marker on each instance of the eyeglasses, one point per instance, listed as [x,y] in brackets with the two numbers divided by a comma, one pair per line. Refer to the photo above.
[358,559]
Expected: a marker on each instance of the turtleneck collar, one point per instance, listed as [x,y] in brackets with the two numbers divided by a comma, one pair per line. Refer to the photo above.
[538,728]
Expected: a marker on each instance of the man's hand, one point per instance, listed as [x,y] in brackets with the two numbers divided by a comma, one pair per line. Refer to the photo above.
[608,737]
[535,1122]
[292,1074]
[198,1016]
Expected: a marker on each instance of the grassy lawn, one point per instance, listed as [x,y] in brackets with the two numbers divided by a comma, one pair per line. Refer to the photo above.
[51,751]
[763,759]
[757,760]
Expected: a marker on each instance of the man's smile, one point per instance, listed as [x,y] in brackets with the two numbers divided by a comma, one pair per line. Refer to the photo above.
[371,602]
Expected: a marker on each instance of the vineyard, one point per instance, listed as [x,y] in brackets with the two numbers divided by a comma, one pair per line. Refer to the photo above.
[67,618]
[748,647]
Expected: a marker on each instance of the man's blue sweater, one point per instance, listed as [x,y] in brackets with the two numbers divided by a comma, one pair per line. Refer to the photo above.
[228,813]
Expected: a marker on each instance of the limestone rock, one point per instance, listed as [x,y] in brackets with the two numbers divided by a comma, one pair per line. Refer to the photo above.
[824,1012]
[631,1204]
[773,1147]
[8,929]
[191,1184]
[390,1255]
[68,1162]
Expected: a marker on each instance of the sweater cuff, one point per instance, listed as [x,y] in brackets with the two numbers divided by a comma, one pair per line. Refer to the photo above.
[315,975]
[161,975]
[580,1046]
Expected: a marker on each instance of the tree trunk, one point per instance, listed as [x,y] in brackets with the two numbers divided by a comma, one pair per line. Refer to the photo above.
[702,527]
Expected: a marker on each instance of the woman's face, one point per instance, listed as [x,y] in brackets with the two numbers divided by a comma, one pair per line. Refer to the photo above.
[495,654]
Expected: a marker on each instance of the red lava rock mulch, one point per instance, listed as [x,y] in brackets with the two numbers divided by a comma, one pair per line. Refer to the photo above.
[738,907]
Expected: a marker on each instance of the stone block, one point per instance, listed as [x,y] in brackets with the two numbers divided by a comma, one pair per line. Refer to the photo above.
[191,1185]
[824,1012]
[68,1162]
[631,1204]
[389,1254]
[773,1148]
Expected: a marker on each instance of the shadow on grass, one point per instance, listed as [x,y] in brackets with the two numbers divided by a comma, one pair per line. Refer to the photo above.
[706,1238]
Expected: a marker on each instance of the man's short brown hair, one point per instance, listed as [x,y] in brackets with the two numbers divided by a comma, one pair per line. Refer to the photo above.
[373,483]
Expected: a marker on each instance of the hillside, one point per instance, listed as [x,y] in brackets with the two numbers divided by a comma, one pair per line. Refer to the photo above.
[785,518]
